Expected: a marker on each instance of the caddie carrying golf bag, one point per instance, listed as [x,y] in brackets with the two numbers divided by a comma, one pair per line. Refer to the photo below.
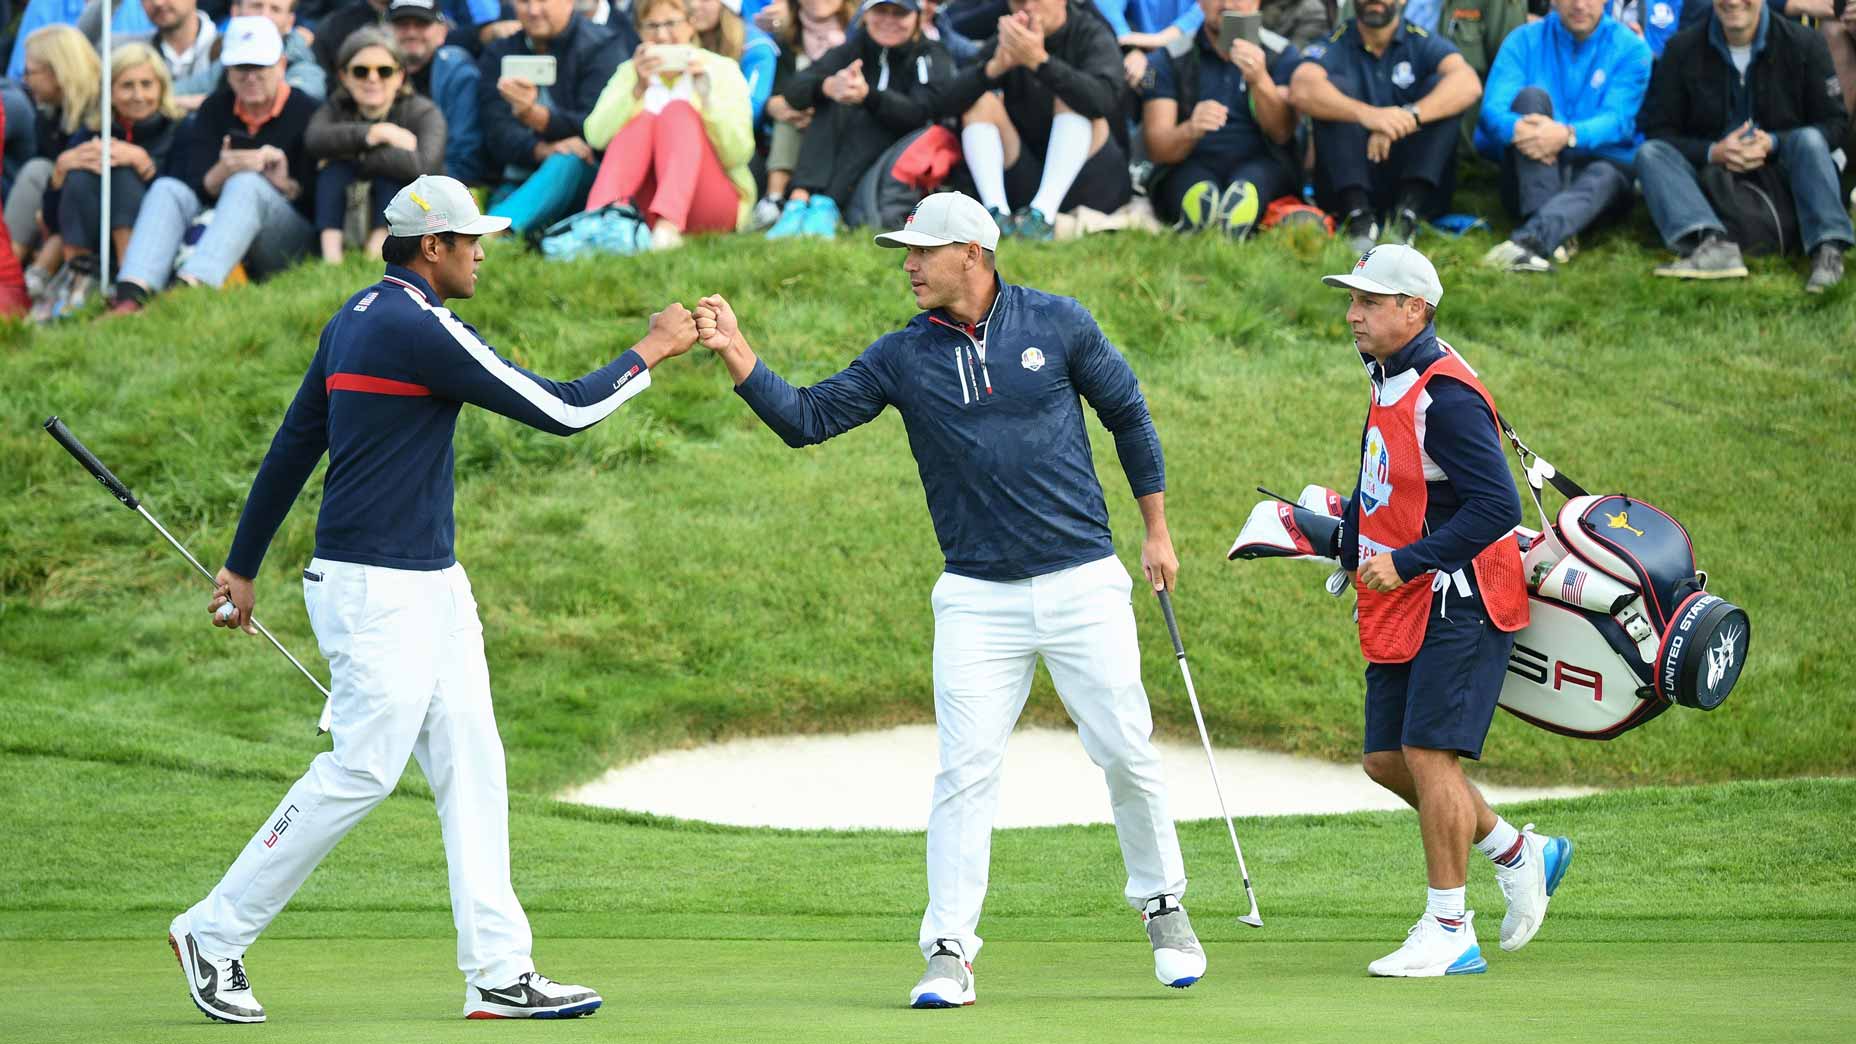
[1620,622]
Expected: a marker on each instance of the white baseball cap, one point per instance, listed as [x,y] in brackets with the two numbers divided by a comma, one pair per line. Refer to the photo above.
[1392,269]
[434,203]
[943,218]
[251,40]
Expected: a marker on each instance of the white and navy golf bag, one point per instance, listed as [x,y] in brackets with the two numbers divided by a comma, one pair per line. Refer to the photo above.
[1620,624]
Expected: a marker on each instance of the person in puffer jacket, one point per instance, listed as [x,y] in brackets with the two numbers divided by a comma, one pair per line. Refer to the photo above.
[867,93]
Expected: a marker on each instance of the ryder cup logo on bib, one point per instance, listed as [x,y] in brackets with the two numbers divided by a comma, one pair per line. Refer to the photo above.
[1375,473]
[1031,359]
[1402,76]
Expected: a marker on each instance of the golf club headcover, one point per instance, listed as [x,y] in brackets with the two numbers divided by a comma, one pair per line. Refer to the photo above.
[1278,530]
[1322,501]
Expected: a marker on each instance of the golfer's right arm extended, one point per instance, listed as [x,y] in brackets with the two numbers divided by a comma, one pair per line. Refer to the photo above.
[808,416]
[300,442]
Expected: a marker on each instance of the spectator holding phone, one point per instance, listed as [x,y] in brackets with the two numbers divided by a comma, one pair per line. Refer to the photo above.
[1145,28]
[1219,115]
[447,74]
[674,124]
[534,133]
[242,155]
[1743,92]
[805,31]
[373,130]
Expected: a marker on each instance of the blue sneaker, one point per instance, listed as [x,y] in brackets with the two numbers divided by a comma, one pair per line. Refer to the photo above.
[821,218]
[792,220]
[1528,885]
[1433,948]
[1032,224]
[1008,225]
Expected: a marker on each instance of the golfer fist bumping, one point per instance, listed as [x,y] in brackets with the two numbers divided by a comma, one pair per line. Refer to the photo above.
[673,332]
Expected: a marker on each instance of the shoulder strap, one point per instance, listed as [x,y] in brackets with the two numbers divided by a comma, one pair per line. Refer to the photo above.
[1540,473]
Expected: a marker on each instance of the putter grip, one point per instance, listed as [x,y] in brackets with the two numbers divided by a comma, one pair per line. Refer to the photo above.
[1172,625]
[56,429]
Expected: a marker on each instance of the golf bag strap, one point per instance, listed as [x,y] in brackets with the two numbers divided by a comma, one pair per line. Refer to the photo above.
[1539,473]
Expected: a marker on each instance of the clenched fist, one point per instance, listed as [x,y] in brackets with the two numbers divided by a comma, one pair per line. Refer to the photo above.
[716,328]
[672,332]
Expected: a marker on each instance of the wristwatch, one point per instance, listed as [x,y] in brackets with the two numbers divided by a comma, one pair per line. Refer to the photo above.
[1412,107]
[1572,137]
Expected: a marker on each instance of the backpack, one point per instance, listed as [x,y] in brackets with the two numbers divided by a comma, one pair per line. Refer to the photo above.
[1756,207]
[903,176]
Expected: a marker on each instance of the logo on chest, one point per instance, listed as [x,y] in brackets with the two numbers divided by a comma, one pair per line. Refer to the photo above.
[1375,473]
[1031,359]
[1402,76]
[1598,78]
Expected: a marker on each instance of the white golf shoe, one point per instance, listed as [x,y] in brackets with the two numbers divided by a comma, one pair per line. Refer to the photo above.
[1527,887]
[1179,960]
[533,996]
[1431,950]
[217,984]
[948,980]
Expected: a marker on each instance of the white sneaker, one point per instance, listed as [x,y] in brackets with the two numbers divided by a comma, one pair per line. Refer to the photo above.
[948,980]
[1529,886]
[1179,960]
[217,984]
[533,996]
[664,236]
[1431,950]
[766,211]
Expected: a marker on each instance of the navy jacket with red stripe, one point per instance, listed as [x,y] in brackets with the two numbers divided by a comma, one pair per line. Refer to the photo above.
[381,397]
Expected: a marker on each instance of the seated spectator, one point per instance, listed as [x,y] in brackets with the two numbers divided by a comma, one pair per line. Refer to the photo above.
[144,119]
[939,27]
[1034,118]
[1143,26]
[373,130]
[130,21]
[1560,112]
[446,74]
[303,74]
[721,30]
[854,120]
[22,139]
[674,124]
[819,26]
[1744,91]
[1840,38]
[64,78]
[184,37]
[1659,20]
[333,30]
[1219,116]
[1304,23]
[241,153]
[534,136]
[1384,97]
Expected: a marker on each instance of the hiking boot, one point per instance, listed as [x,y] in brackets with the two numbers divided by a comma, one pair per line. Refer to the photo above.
[1433,948]
[217,985]
[1198,209]
[1238,209]
[1826,269]
[1179,960]
[766,211]
[1510,256]
[792,220]
[948,980]
[1403,229]
[1032,224]
[1716,257]
[1530,883]
[1361,230]
[533,996]
[821,218]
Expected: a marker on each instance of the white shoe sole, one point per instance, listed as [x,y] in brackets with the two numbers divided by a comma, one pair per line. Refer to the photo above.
[487,1010]
[177,943]
[1178,969]
[1469,962]
[941,993]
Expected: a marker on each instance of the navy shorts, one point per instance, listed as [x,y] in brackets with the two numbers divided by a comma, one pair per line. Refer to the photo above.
[1444,697]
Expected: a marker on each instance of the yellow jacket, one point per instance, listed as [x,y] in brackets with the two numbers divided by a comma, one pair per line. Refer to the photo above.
[725,111]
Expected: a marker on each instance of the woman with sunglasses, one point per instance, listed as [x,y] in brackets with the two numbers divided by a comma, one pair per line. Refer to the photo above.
[373,131]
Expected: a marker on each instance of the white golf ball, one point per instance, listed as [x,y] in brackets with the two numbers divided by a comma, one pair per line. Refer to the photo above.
[228,611]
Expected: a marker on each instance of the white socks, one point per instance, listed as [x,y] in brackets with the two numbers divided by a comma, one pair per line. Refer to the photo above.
[1503,845]
[1070,135]
[985,154]
[1445,904]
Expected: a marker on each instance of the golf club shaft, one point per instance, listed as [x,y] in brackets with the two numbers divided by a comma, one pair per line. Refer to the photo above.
[1198,716]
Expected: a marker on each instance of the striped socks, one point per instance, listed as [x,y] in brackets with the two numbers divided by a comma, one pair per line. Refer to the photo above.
[1503,845]
[1446,906]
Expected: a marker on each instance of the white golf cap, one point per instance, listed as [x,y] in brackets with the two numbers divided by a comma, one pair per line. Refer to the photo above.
[251,40]
[943,218]
[434,203]
[1392,269]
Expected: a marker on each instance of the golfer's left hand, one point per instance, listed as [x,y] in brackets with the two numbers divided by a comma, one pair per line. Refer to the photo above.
[235,589]
[1379,574]
[1159,562]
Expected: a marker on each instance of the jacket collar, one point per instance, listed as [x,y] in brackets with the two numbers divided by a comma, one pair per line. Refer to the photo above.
[412,280]
[939,315]
[1719,39]
[1416,355]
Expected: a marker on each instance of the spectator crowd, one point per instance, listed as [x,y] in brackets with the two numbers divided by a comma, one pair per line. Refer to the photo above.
[246,136]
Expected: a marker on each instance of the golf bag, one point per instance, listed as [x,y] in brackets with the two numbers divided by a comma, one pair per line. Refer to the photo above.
[1620,623]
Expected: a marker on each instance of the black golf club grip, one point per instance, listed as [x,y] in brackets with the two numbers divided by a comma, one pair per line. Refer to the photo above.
[57,430]
[1172,625]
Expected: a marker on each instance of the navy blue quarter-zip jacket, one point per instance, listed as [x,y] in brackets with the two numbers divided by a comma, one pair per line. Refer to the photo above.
[995,421]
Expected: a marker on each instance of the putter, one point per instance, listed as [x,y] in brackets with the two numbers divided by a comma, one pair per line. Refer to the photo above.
[57,430]
[1253,919]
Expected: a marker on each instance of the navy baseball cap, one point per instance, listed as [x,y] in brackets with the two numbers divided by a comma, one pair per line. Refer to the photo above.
[906,5]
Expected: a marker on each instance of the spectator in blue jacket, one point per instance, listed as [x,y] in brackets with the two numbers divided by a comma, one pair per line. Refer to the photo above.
[1142,26]
[1658,20]
[534,135]
[1559,114]
[130,20]
[448,75]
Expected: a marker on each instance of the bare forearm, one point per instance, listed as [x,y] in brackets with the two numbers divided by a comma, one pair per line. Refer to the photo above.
[740,359]
[1318,98]
[1272,112]
[1453,94]
[1153,512]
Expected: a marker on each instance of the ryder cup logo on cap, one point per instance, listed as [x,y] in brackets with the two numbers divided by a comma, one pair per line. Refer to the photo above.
[1392,269]
[433,204]
[943,218]
[251,40]
[420,10]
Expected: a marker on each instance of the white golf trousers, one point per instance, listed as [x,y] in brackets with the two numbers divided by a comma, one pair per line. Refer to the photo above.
[405,652]
[987,639]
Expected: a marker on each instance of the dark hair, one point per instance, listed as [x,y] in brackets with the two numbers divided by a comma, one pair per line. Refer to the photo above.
[1430,310]
[399,250]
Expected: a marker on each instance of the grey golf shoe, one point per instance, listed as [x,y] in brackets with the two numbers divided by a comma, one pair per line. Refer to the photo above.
[948,980]
[217,985]
[1179,960]
[1716,258]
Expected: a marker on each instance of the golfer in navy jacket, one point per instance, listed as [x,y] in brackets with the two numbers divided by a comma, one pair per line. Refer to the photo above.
[988,379]
[391,606]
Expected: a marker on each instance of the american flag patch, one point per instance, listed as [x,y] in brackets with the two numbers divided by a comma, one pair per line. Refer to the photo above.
[1572,585]
[361,305]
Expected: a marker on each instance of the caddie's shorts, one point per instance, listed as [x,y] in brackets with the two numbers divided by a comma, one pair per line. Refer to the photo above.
[1444,697]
